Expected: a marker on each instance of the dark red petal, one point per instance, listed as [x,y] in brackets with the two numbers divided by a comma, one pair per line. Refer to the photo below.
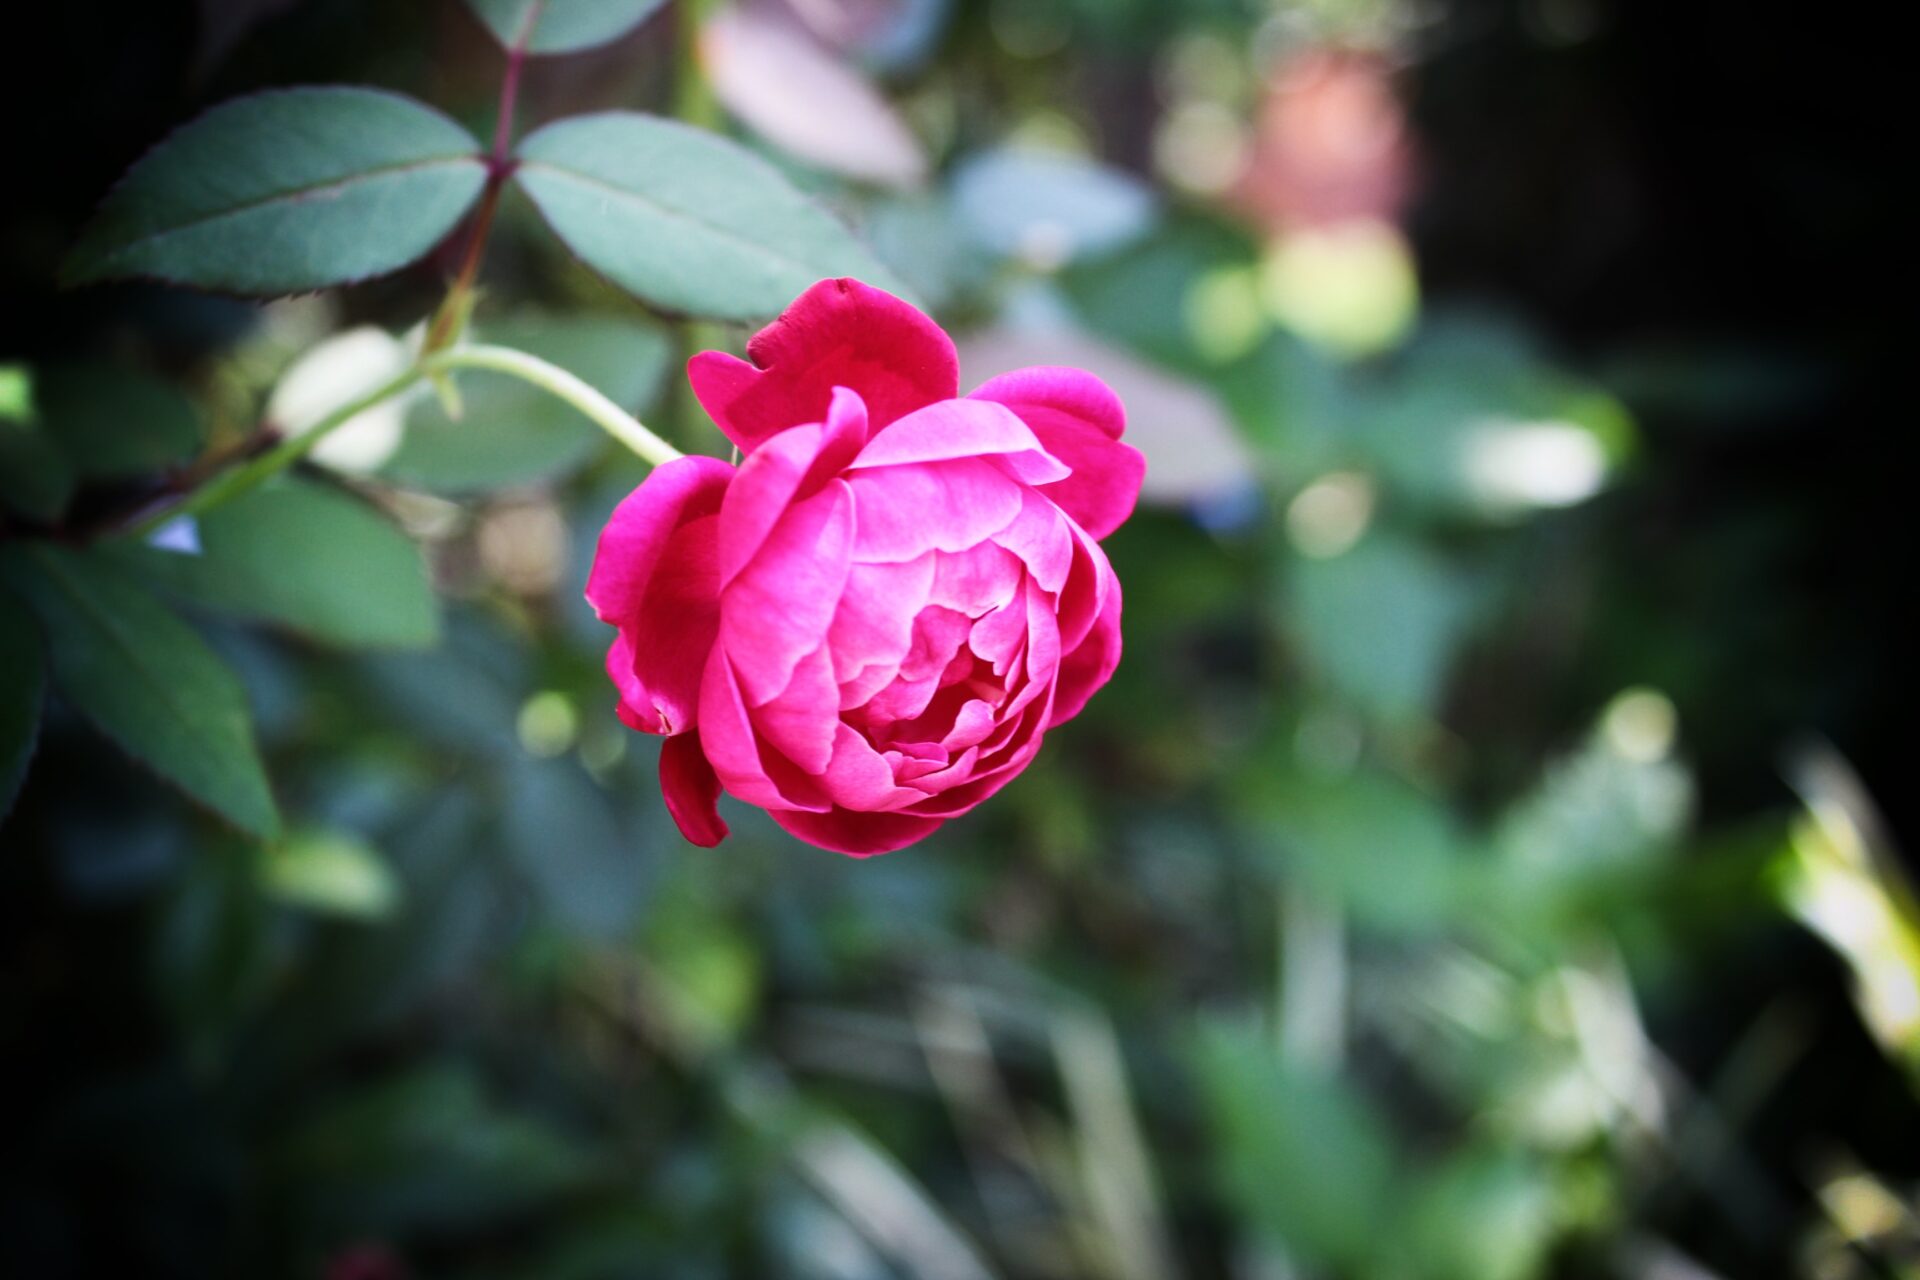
[860,835]
[839,333]
[692,790]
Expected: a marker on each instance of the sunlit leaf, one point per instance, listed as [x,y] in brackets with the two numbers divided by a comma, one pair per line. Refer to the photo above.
[310,558]
[332,872]
[513,433]
[685,220]
[23,686]
[560,26]
[287,190]
[142,676]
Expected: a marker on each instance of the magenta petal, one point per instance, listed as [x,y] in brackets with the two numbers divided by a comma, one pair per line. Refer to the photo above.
[791,467]
[976,580]
[779,608]
[859,835]
[1041,539]
[860,778]
[1091,664]
[901,513]
[1079,420]
[727,736]
[873,625]
[839,333]
[630,545]
[656,559]
[800,721]
[692,790]
[1085,591]
[963,429]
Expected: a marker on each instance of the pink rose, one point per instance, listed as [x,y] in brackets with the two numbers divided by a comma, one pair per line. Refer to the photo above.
[869,626]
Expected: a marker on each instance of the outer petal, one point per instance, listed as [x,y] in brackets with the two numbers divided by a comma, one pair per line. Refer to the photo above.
[838,333]
[1079,419]
[859,834]
[692,790]
[655,563]
[1091,664]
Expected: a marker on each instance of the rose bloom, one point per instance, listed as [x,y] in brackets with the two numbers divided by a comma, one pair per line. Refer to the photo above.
[868,627]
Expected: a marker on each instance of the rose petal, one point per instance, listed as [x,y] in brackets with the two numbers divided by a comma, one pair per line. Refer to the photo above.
[800,721]
[727,737]
[859,835]
[692,790]
[873,625]
[778,609]
[963,429]
[976,580]
[656,560]
[1079,420]
[1085,591]
[860,778]
[1041,538]
[630,545]
[901,513]
[1091,663]
[789,468]
[838,333]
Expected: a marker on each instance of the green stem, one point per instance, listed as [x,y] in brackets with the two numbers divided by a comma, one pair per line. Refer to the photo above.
[693,99]
[551,378]
[264,466]
[607,415]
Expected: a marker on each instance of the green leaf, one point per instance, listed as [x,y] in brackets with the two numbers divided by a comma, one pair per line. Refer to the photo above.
[285,191]
[1304,1158]
[23,687]
[560,26]
[513,433]
[124,661]
[1380,623]
[308,557]
[331,872]
[108,422]
[685,220]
